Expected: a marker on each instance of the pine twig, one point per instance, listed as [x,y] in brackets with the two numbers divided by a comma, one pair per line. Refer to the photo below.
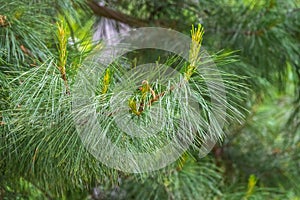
[62,42]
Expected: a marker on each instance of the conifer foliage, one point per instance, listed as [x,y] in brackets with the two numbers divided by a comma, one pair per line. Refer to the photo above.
[255,46]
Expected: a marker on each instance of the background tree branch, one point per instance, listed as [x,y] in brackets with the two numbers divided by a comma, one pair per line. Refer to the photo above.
[104,11]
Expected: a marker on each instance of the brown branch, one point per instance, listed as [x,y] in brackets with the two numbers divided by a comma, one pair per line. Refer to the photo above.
[103,11]
[156,97]
[115,15]
[64,78]
[1,121]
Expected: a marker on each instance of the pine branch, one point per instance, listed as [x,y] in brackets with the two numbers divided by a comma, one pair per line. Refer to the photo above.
[103,11]
[62,38]
[118,16]
[197,36]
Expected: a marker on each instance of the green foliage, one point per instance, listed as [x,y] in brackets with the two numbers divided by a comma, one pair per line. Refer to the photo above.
[188,181]
[43,45]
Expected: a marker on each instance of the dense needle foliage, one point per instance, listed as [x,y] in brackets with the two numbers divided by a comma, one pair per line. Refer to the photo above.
[255,46]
